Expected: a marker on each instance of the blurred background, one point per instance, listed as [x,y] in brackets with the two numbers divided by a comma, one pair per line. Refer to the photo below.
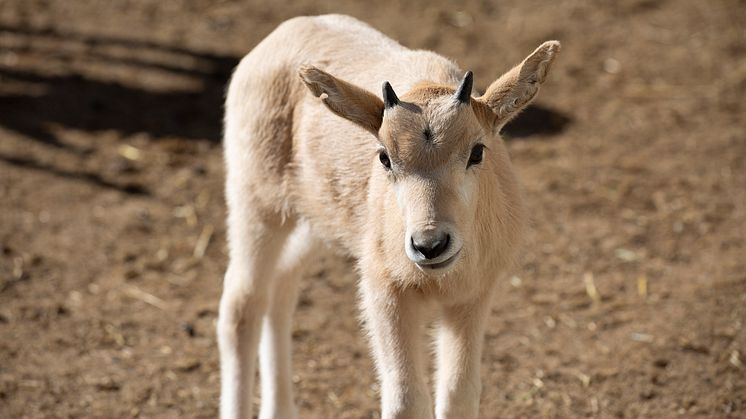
[630,299]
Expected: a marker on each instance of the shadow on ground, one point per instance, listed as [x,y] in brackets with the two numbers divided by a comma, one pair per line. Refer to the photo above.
[80,102]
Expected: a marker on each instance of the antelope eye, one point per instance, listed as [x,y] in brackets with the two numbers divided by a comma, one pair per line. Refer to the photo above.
[384,158]
[476,155]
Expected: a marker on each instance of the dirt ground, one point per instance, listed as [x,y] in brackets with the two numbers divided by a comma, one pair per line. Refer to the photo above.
[630,299]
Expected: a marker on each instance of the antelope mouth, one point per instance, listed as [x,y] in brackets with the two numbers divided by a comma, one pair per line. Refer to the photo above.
[439,265]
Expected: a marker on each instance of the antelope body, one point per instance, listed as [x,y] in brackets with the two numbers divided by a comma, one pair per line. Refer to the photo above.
[419,189]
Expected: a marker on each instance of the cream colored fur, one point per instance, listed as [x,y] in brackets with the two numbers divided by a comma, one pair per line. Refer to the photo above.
[302,156]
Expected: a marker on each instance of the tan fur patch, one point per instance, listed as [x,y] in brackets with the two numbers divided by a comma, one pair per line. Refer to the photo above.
[424,91]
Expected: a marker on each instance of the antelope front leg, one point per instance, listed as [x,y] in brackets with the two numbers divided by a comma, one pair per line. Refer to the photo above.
[459,352]
[395,322]
[242,306]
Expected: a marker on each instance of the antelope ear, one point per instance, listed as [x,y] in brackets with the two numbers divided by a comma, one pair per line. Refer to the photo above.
[344,99]
[514,90]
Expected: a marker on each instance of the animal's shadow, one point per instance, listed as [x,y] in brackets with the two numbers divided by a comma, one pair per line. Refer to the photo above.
[85,103]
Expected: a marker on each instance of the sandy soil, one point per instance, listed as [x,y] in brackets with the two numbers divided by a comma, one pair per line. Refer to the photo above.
[633,161]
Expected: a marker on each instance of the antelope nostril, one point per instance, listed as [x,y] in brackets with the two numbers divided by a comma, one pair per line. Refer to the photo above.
[431,246]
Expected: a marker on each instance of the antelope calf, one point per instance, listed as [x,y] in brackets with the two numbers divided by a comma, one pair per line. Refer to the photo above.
[417,188]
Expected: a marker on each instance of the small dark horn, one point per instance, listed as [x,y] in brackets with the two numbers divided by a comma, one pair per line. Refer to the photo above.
[389,97]
[463,94]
